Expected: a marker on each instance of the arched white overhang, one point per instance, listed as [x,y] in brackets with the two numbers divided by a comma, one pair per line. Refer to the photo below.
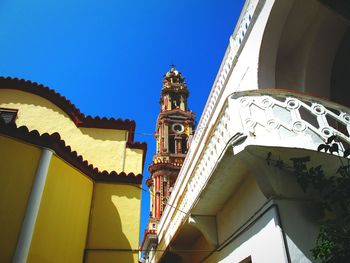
[300,48]
[190,244]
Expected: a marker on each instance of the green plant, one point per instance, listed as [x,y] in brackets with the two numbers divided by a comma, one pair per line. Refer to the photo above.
[333,241]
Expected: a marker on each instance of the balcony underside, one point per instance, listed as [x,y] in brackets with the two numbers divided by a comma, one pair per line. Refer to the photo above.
[273,182]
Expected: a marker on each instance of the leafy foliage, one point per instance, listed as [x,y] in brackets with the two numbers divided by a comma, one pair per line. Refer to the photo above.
[333,241]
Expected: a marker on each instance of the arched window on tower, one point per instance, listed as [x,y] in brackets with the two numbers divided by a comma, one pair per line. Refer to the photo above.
[184,144]
[171,144]
[175,101]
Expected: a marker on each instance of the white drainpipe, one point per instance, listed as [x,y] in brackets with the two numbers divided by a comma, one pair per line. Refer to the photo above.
[31,214]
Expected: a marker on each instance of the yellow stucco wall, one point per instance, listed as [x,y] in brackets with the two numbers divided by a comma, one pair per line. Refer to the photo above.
[104,148]
[114,223]
[111,257]
[133,160]
[62,223]
[18,163]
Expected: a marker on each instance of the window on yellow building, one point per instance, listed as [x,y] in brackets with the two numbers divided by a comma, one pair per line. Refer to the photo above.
[8,115]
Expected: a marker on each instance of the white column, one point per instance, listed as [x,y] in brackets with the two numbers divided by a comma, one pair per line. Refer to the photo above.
[27,229]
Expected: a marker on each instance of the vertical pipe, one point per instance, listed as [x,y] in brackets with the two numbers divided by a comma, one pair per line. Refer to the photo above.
[166,136]
[154,197]
[160,195]
[157,198]
[160,139]
[283,235]
[30,216]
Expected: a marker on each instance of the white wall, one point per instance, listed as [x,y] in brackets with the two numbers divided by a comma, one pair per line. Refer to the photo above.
[262,241]
[299,220]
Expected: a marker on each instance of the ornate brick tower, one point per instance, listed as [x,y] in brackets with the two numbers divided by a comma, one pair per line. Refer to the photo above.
[174,127]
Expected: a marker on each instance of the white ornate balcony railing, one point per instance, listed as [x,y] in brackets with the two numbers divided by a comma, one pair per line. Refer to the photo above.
[265,117]
[244,25]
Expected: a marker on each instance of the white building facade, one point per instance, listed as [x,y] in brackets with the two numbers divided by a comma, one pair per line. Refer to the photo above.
[280,90]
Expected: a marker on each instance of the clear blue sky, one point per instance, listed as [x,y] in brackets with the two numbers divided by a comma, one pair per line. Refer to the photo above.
[108,57]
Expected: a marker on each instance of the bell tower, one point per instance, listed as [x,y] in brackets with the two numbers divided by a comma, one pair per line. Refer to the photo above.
[173,130]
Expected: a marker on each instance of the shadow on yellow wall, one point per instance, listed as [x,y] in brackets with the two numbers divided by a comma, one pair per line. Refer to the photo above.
[105,134]
[115,211]
[22,99]
[104,148]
